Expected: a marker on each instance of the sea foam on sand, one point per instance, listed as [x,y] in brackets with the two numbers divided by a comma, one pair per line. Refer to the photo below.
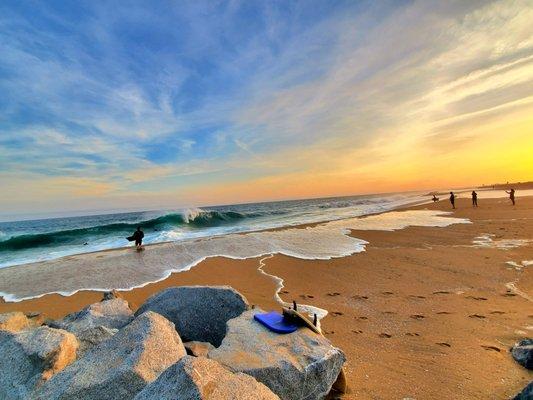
[125,268]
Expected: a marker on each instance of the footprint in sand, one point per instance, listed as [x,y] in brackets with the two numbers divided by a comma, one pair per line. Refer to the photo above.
[333,294]
[443,312]
[284,292]
[329,332]
[497,312]
[444,344]
[363,318]
[441,292]
[388,312]
[307,296]
[357,331]
[384,335]
[491,348]
[387,293]
[477,316]
[476,298]
[336,313]
[417,316]
[509,294]
[412,334]
[358,297]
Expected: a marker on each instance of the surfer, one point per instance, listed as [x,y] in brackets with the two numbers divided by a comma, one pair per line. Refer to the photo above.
[435,199]
[474,198]
[452,199]
[138,237]
[511,195]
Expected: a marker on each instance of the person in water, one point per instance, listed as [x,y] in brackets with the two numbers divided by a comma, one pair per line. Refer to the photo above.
[452,199]
[474,198]
[511,195]
[138,236]
[435,199]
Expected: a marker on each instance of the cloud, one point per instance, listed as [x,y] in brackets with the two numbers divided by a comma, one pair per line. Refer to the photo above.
[155,99]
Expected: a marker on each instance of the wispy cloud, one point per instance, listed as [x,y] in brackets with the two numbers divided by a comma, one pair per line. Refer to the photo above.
[204,97]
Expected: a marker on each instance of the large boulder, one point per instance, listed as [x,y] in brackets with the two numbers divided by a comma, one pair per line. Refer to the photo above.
[526,393]
[92,337]
[121,366]
[14,322]
[112,314]
[203,379]
[29,357]
[298,365]
[200,313]
[523,353]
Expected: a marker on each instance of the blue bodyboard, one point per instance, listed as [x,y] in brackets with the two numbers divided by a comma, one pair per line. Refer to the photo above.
[276,322]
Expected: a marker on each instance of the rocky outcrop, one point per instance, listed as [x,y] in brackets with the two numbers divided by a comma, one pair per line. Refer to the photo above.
[300,365]
[121,366]
[204,379]
[200,313]
[522,352]
[526,393]
[198,349]
[112,314]
[14,322]
[92,337]
[32,356]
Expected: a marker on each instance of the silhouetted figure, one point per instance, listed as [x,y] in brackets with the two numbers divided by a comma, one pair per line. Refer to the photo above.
[435,199]
[511,195]
[452,199]
[138,236]
[474,198]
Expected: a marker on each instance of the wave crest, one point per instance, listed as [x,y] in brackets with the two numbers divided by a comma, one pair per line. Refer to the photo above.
[196,218]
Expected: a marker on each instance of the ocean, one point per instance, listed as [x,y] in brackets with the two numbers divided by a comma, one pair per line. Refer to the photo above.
[29,241]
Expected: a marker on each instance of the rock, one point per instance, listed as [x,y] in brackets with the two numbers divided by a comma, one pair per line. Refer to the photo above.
[121,366]
[112,314]
[200,313]
[198,349]
[92,337]
[526,393]
[14,322]
[299,365]
[523,353]
[31,356]
[203,379]
[113,294]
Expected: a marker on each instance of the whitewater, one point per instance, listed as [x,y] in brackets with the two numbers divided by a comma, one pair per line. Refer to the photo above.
[126,269]
[28,241]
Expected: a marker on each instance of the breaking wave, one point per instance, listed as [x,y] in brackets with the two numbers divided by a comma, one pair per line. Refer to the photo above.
[194,218]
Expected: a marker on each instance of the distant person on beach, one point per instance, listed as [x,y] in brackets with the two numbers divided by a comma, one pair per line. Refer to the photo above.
[474,198]
[511,195]
[138,236]
[452,199]
[435,199]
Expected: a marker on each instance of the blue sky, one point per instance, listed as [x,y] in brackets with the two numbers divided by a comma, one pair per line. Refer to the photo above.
[175,103]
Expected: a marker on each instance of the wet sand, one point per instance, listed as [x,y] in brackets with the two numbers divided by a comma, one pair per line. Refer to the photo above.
[424,313]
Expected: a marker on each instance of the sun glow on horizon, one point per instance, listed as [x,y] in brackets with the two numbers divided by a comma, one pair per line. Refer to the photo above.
[260,101]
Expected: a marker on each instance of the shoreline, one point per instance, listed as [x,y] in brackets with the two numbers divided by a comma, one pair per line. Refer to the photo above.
[138,269]
[422,312]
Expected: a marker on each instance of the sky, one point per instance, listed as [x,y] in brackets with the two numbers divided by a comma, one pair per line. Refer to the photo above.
[109,105]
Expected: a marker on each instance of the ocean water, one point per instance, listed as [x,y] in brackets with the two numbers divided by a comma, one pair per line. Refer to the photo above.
[29,241]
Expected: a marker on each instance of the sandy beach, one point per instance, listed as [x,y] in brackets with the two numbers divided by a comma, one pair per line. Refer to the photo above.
[423,313]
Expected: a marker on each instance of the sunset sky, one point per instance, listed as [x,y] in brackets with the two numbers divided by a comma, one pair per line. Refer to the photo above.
[110,105]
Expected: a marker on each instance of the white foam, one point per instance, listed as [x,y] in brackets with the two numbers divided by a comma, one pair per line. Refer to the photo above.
[310,310]
[487,241]
[124,269]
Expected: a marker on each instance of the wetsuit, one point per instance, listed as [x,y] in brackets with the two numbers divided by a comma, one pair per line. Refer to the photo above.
[138,235]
